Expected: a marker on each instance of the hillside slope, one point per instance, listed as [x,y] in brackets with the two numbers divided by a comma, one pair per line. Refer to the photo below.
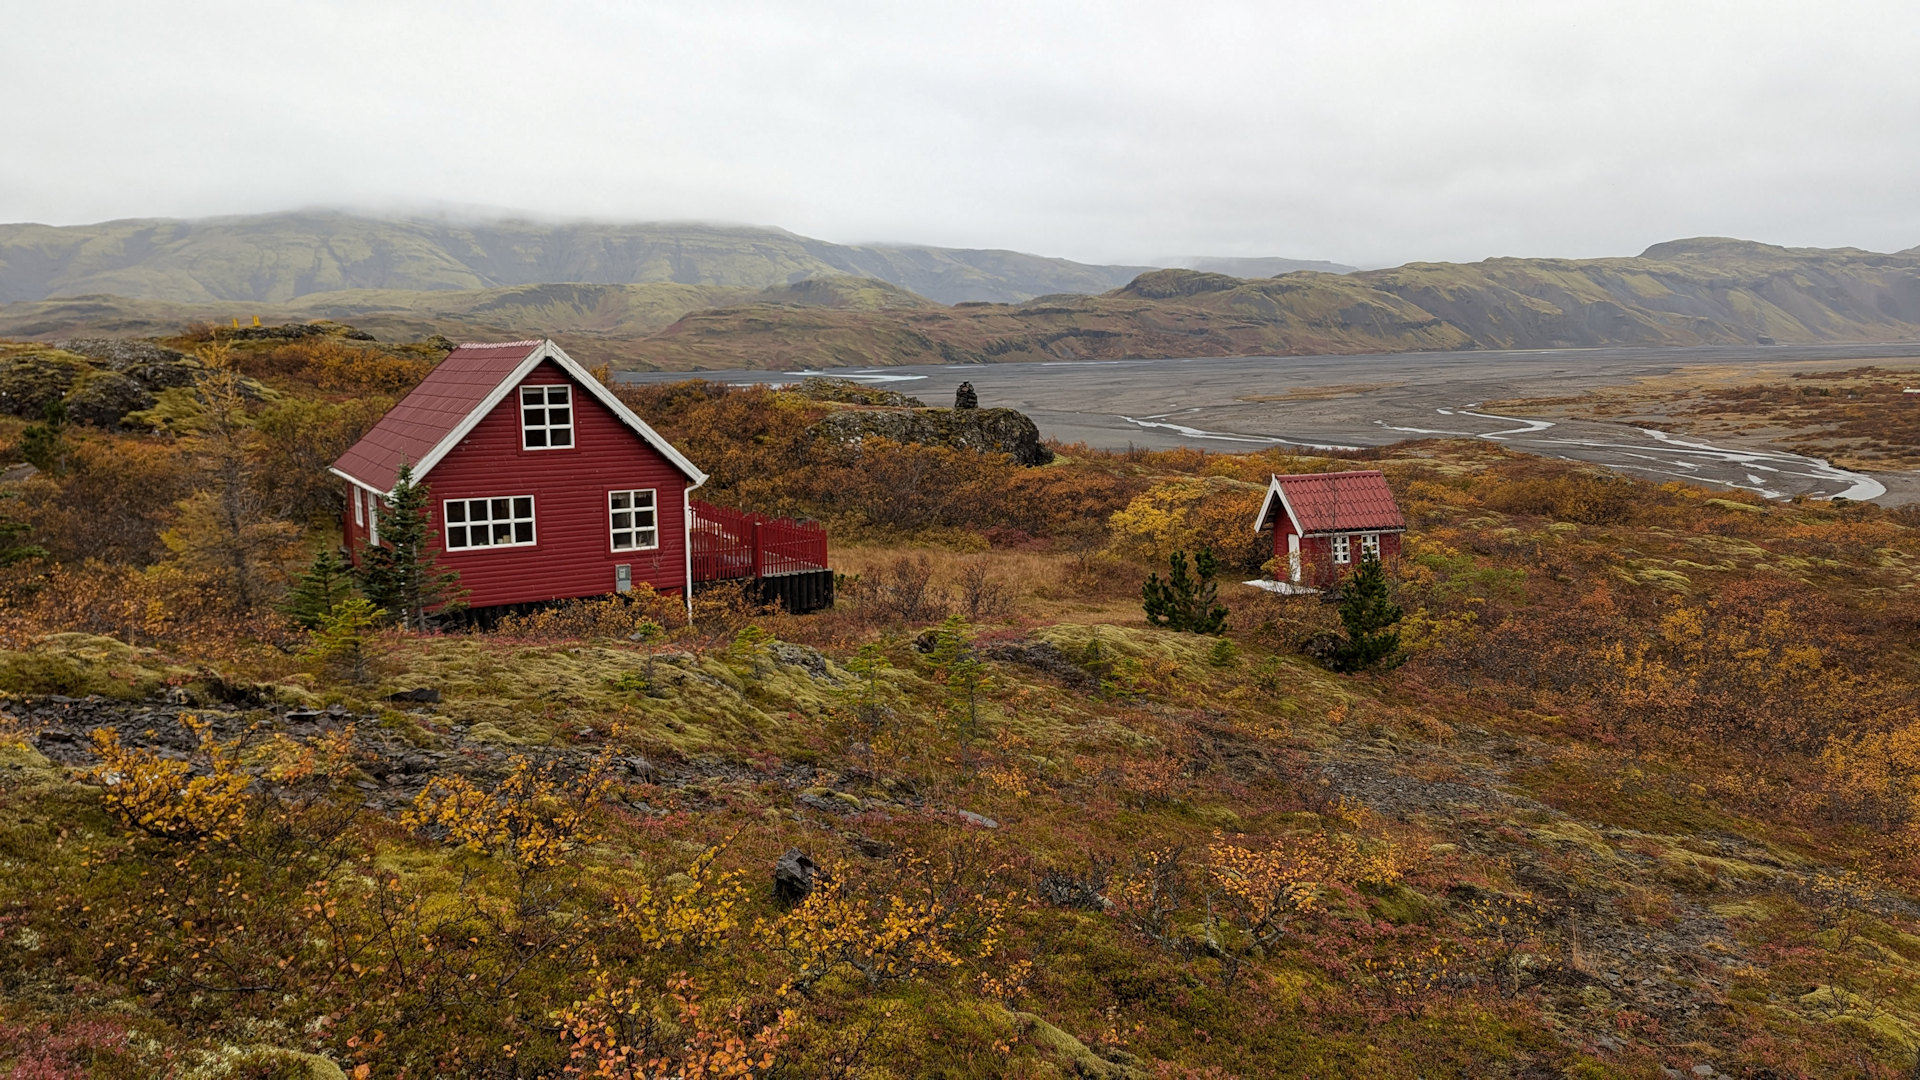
[1689,292]
[1685,292]
[270,258]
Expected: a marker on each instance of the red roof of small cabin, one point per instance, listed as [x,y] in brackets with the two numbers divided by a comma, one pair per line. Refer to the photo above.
[461,389]
[1339,502]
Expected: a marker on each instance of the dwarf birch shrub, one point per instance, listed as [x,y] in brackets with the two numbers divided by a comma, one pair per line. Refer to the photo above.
[162,797]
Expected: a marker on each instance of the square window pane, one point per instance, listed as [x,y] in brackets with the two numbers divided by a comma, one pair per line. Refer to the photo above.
[523,532]
[536,437]
[503,532]
[523,506]
[456,512]
[623,519]
[477,536]
[562,436]
[530,394]
[622,541]
[502,509]
[557,395]
[643,517]
[620,500]
[559,417]
[457,537]
[646,538]
[643,498]
[477,510]
[533,417]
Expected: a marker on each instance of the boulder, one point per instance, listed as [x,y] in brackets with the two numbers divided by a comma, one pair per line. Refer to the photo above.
[103,398]
[1004,431]
[31,380]
[848,392]
[795,875]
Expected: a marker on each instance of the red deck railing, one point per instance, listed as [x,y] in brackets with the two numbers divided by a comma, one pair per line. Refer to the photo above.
[731,544]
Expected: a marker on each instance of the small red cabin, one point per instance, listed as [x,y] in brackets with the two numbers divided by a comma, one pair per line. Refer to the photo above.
[544,485]
[1325,523]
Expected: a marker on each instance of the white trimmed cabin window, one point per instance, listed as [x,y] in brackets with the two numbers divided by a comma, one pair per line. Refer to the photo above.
[373,520]
[634,519]
[489,523]
[1342,550]
[546,417]
[1370,546]
[359,507]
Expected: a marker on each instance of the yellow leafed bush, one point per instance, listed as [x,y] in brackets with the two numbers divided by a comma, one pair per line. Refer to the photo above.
[162,797]
[529,817]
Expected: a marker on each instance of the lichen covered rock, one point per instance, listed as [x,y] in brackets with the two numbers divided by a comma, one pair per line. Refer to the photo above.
[104,398]
[1003,431]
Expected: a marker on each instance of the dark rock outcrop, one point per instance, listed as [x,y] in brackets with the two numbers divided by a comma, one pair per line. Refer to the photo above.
[32,380]
[794,876]
[848,392]
[1003,431]
[103,398]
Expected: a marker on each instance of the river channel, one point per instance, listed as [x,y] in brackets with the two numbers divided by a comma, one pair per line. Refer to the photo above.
[1355,401]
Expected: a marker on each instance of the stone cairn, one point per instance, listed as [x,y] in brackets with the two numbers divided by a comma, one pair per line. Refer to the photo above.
[965,398]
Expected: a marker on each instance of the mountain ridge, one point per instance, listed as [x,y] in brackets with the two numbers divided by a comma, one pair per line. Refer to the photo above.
[1689,291]
[276,258]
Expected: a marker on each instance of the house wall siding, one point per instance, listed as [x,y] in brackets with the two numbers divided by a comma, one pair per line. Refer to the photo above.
[1317,568]
[572,554]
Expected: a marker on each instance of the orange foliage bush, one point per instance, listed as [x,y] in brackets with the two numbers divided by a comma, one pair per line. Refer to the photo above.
[333,364]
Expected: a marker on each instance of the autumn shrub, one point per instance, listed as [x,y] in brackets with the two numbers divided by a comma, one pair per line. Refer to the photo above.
[1188,514]
[333,364]
[1568,496]
[163,797]
[116,495]
[641,615]
[530,817]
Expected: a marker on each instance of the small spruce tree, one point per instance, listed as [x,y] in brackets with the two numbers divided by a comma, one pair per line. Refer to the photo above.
[1186,600]
[44,445]
[11,533]
[323,586]
[402,575]
[1369,614]
[342,642]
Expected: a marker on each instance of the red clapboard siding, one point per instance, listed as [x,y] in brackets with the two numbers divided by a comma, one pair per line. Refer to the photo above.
[572,555]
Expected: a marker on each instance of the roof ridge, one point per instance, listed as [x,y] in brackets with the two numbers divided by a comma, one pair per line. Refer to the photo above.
[496,344]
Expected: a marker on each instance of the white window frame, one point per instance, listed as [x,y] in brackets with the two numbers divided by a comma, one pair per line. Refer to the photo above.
[373,519]
[359,507]
[513,520]
[613,527]
[545,430]
[1370,545]
[1342,550]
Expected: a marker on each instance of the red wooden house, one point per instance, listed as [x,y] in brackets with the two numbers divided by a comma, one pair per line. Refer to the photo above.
[1325,523]
[544,485]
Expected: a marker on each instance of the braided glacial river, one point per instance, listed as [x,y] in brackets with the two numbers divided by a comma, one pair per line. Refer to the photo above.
[1356,401]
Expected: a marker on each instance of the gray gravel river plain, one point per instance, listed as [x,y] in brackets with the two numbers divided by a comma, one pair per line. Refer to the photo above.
[1242,403]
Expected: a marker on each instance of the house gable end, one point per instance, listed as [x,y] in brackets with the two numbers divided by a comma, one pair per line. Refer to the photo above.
[367,456]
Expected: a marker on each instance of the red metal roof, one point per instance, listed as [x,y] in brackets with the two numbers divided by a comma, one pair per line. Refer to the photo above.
[1336,502]
[450,392]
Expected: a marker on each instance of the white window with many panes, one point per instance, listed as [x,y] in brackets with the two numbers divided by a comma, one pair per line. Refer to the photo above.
[546,417]
[489,523]
[1342,550]
[634,519]
[1370,545]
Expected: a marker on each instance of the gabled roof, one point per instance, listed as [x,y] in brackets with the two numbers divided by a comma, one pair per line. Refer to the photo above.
[452,400]
[1332,503]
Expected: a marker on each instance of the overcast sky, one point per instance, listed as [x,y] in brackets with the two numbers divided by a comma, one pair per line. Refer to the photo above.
[1369,133]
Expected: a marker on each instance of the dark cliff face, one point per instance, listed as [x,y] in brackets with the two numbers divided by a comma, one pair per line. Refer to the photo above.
[1003,431]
